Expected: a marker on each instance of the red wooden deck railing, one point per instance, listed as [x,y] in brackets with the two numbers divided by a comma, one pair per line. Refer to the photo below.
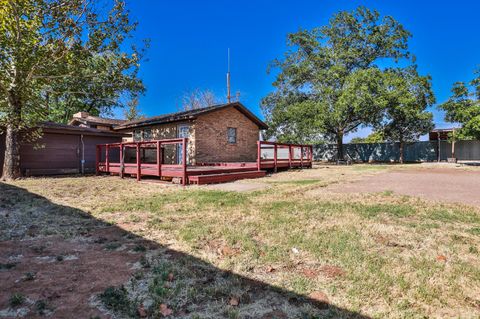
[268,155]
[110,158]
[140,168]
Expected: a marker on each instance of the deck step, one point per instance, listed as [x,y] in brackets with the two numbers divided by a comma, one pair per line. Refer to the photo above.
[224,177]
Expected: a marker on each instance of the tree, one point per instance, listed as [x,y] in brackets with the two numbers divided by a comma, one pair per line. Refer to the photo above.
[464,107]
[375,137]
[56,57]
[329,83]
[115,85]
[408,95]
[197,99]
[132,112]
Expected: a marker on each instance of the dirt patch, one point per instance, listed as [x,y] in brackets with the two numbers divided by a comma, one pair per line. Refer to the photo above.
[437,184]
[62,275]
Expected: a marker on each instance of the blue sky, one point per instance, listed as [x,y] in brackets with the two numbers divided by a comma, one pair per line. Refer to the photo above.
[189,41]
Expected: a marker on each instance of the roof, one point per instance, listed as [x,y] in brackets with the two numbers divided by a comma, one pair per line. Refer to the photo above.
[52,127]
[190,115]
[97,120]
[441,133]
[451,129]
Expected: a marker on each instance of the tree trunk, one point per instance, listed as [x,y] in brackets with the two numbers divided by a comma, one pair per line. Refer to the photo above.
[401,152]
[340,156]
[11,164]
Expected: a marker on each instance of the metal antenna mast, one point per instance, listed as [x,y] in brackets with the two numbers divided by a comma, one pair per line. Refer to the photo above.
[229,97]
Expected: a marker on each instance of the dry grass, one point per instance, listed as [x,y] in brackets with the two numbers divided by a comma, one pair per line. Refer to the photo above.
[380,255]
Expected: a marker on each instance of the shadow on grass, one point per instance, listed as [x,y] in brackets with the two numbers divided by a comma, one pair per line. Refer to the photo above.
[60,261]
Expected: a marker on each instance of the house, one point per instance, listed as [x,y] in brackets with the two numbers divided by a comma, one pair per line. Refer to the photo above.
[220,133]
[62,149]
[214,144]
[84,119]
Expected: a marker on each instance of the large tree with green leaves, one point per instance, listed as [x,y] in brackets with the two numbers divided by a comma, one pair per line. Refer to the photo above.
[407,95]
[464,107]
[329,83]
[58,57]
[374,137]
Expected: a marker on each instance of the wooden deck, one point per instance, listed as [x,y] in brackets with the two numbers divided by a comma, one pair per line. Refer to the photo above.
[271,156]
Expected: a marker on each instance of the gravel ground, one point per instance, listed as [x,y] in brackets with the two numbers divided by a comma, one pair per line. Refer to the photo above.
[439,184]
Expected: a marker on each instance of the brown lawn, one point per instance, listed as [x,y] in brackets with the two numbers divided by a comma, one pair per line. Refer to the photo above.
[365,241]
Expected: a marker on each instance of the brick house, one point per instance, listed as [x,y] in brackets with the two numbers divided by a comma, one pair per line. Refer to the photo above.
[220,133]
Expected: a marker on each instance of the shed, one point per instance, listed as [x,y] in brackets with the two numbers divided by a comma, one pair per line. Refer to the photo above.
[62,149]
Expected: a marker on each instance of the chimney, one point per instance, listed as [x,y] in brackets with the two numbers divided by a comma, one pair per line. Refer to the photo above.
[81,115]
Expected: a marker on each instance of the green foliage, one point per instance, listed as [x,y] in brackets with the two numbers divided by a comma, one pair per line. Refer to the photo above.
[16,300]
[407,95]
[116,299]
[329,84]
[60,57]
[41,306]
[112,246]
[464,107]
[7,266]
[375,137]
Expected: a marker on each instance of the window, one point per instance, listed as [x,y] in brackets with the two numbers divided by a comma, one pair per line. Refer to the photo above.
[232,135]
[137,135]
[183,130]
[147,135]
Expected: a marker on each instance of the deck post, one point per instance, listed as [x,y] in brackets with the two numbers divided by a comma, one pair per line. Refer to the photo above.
[97,160]
[275,148]
[159,158]
[107,162]
[139,169]
[259,154]
[289,155]
[301,156]
[122,164]
[311,156]
[184,161]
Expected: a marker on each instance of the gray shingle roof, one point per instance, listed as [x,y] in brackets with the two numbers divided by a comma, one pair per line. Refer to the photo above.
[63,128]
[191,114]
[98,120]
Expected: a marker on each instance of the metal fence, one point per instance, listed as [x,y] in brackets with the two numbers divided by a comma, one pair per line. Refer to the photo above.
[427,151]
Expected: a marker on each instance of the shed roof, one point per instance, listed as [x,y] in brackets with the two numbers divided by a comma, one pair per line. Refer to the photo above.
[190,115]
[53,127]
[90,119]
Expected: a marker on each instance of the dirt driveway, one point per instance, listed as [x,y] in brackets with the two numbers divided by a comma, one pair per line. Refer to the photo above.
[442,184]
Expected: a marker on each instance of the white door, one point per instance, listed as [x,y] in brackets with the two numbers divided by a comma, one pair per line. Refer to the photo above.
[183,130]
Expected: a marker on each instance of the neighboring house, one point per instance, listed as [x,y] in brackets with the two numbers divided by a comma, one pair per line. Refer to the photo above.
[219,133]
[442,134]
[62,149]
[84,119]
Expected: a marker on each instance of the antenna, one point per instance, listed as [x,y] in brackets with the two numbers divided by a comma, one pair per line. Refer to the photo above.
[229,97]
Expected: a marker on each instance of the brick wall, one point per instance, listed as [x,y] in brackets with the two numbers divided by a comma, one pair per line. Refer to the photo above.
[211,144]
